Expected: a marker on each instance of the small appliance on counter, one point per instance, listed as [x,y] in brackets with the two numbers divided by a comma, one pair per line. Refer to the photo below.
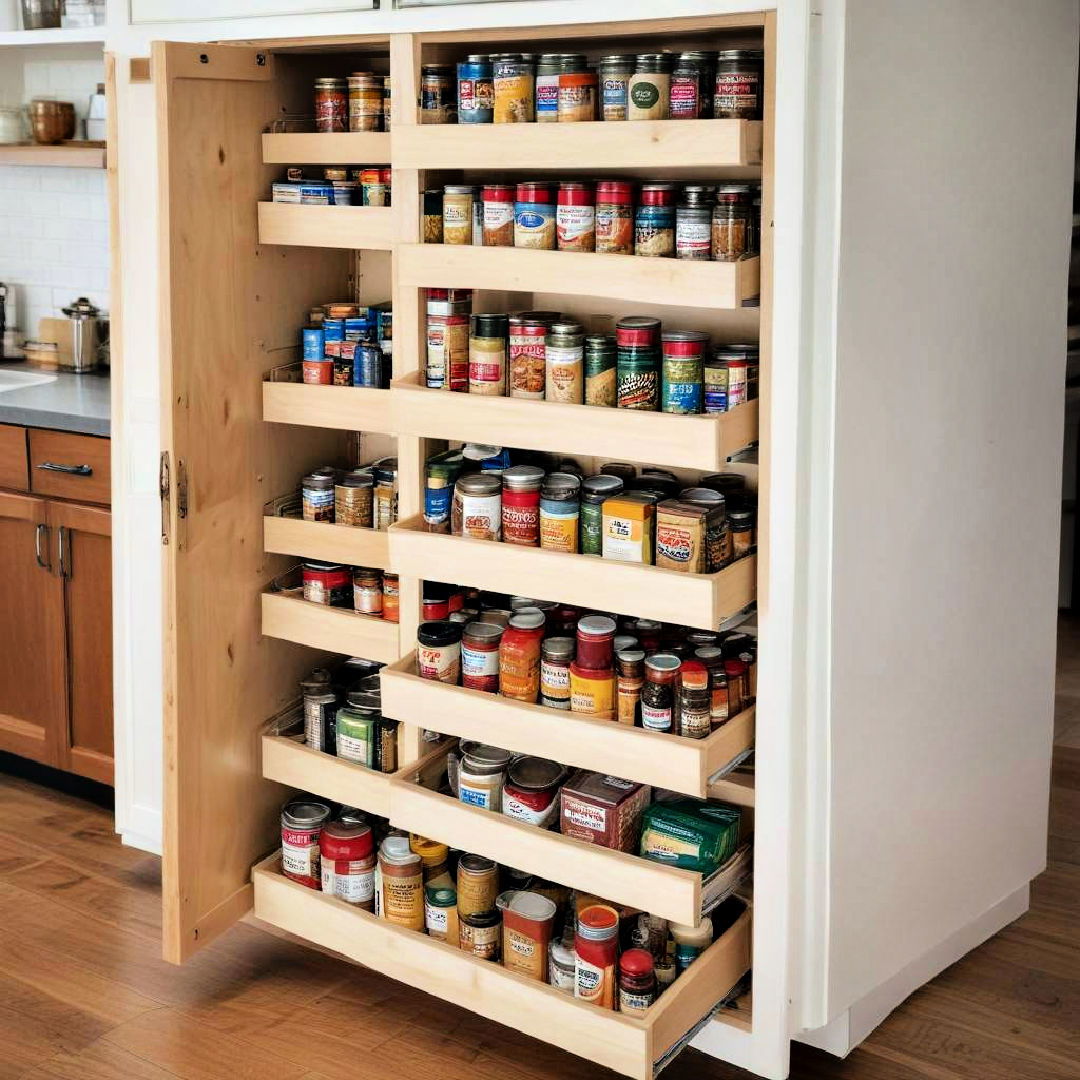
[71,344]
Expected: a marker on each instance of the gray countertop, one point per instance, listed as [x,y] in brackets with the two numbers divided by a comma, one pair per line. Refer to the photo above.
[66,402]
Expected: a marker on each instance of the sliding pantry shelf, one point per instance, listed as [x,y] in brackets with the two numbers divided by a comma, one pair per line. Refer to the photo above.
[648,144]
[337,148]
[348,408]
[650,757]
[369,228]
[736,788]
[705,285]
[626,1044]
[320,626]
[618,876]
[287,760]
[326,542]
[701,600]
[688,442]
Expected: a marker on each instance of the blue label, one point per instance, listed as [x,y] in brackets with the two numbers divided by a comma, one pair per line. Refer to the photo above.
[313,343]
[530,219]
[437,505]
[475,798]
[547,98]
[614,91]
[681,397]
[334,329]
[716,401]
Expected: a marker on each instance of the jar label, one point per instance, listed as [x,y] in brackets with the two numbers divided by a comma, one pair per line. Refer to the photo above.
[439,662]
[475,94]
[519,810]
[437,505]
[684,97]
[694,723]
[521,524]
[547,98]
[498,224]
[527,352]
[351,748]
[300,854]
[558,529]
[554,680]
[628,699]
[522,953]
[613,90]
[485,796]
[403,899]
[436,919]
[736,91]
[645,94]
[624,539]
[575,227]
[594,984]
[481,516]
[655,718]
[593,697]
[349,880]
[534,225]
[476,663]
[693,239]
[632,1003]
[563,374]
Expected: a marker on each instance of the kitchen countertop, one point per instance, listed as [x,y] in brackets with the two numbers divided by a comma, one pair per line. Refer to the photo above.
[66,403]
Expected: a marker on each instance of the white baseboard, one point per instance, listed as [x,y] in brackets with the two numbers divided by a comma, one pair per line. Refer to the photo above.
[142,830]
[844,1032]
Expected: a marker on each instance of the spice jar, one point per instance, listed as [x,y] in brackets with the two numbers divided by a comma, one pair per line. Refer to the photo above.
[741,525]
[693,231]
[365,101]
[694,700]
[477,878]
[347,854]
[713,659]
[391,598]
[637,363]
[317,492]
[457,214]
[561,967]
[681,379]
[367,591]
[480,656]
[401,899]
[534,216]
[575,217]
[548,66]
[302,821]
[637,981]
[475,91]
[438,651]
[738,84]
[658,693]
[384,510]
[596,946]
[594,490]
[438,104]
[599,367]
[519,655]
[521,505]
[685,92]
[731,223]
[327,583]
[354,500]
[479,778]
[358,729]
[320,711]
[556,655]
[477,507]
[650,87]
[487,354]
[331,106]
[614,79]
[514,91]
[577,91]
[614,217]
[559,509]
[564,351]
[498,210]
[654,222]
[629,679]
[480,934]
[528,332]
[435,601]
[691,942]
[532,784]
[433,215]
[595,637]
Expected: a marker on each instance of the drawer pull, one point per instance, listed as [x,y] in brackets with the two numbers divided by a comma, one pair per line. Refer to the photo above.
[71,470]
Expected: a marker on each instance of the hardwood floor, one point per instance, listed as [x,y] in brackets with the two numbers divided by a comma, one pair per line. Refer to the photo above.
[85,996]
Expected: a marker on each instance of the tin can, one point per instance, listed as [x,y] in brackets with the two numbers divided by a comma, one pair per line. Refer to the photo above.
[527,337]
[477,884]
[577,96]
[318,372]
[327,583]
[527,927]
[575,217]
[365,101]
[479,935]
[681,384]
[386,494]
[458,213]
[534,216]
[559,511]
[438,104]
[320,704]
[301,824]
[637,364]
[487,354]
[738,84]
[331,106]
[548,67]
[368,365]
[614,217]
[514,89]
[354,500]
[614,80]
[312,340]
[475,91]
[654,222]
[649,95]
[531,792]
[448,349]
[594,490]
[498,215]
[317,494]
[599,366]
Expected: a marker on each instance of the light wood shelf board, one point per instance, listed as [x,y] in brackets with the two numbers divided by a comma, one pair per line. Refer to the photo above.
[337,148]
[68,155]
[650,757]
[737,788]
[368,228]
[348,408]
[288,761]
[330,543]
[712,285]
[688,442]
[320,626]
[700,600]
[689,144]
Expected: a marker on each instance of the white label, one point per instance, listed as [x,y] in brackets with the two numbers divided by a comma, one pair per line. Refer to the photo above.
[435,918]
[351,884]
[588,979]
[519,811]
[477,662]
[497,215]
[300,861]
[586,817]
[618,540]
[481,516]
[352,749]
[560,979]
[574,222]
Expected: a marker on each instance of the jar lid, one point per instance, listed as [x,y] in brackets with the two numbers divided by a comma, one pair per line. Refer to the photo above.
[476,864]
[357,480]
[485,754]
[318,480]
[563,955]
[482,631]
[395,849]
[741,54]
[663,663]
[597,922]
[490,325]
[558,648]
[616,58]
[630,656]
[434,69]
[533,906]
[483,919]
[304,814]
[741,516]
[479,483]
[440,895]
[522,478]
[636,962]
[560,485]
[600,343]
[458,189]
[534,773]
[351,815]
[438,633]
[694,675]
[340,830]
[601,487]
[709,652]
[431,851]
[323,567]
[529,618]
[502,57]
[477,58]
[623,642]
[329,84]
[363,699]
[596,626]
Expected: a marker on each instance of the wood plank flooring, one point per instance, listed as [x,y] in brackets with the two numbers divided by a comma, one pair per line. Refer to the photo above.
[84,994]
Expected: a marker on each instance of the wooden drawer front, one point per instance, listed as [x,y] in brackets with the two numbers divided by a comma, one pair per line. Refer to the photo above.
[13,457]
[81,452]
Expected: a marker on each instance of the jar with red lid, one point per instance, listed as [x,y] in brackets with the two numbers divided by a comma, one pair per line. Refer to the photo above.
[654,221]
[575,217]
[519,655]
[436,602]
[480,656]
[534,216]
[615,217]
[637,981]
[695,701]
[521,505]
[595,642]
[532,784]
[347,854]
[328,583]
[596,946]
[498,211]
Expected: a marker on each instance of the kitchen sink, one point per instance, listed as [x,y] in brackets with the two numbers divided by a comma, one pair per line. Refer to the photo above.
[20,380]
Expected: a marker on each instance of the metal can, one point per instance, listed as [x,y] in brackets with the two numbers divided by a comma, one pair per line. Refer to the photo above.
[301,823]
[637,363]
[458,213]
[477,884]
[358,729]
[514,91]
[654,222]
[368,365]
[327,583]
[534,216]
[575,217]
[599,366]
[312,341]
[331,106]
[354,500]
[527,336]
[560,508]
[475,91]
[681,384]
[614,79]
[317,493]
[487,354]
[438,104]
[498,215]
[548,67]
[614,217]
[320,711]
[385,507]
[365,101]
[738,84]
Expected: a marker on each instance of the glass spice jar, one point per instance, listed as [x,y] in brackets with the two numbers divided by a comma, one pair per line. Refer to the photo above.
[480,656]
[731,223]
[559,509]
[391,610]
[438,651]
[457,213]
[637,981]
[556,655]
[575,217]
[528,332]
[365,101]
[331,106]
[658,693]
[438,98]
[534,216]
[685,88]
[599,367]
[693,232]
[741,525]
[498,215]
[521,505]
[385,494]
[433,215]
[654,221]
[614,217]
[367,591]
[629,679]
[738,84]
[564,351]
[614,86]
[713,659]
[649,96]
[594,490]
[694,700]
[519,655]
[548,66]
[487,354]
[476,510]
[595,637]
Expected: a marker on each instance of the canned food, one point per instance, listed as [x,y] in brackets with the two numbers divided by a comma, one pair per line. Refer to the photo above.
[327,583]
[365,101]
[534,217]
[301,823]
[475,91]
[681,385]
[514,91]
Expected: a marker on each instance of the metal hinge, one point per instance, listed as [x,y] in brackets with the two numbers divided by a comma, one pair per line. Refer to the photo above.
[181,490]
[163,493]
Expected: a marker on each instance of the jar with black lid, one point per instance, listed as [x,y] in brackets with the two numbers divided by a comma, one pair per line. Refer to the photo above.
[438,94]
[594,490]
[686,87]
[599,366]
[738,84]
[741,521]
[731,223]
[649,96]
[556,655]
[658,694]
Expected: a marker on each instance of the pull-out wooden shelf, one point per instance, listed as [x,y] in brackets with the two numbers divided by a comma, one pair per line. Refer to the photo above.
[688,442]
[690,144]
[706,285]
[701,600]
[348,408]
[287,760]
[331,543]
[337,148]
[368,228]
[334,629]
[626,1044]
[666,761]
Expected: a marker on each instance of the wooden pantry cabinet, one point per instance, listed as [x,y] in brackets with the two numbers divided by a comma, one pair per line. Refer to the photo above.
[882,847]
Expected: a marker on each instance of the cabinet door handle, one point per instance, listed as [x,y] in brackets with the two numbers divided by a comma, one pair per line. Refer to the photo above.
[63,551]
[71,470]
[41,542]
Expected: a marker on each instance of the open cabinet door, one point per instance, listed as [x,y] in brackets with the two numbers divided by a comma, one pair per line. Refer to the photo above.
[230,311]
